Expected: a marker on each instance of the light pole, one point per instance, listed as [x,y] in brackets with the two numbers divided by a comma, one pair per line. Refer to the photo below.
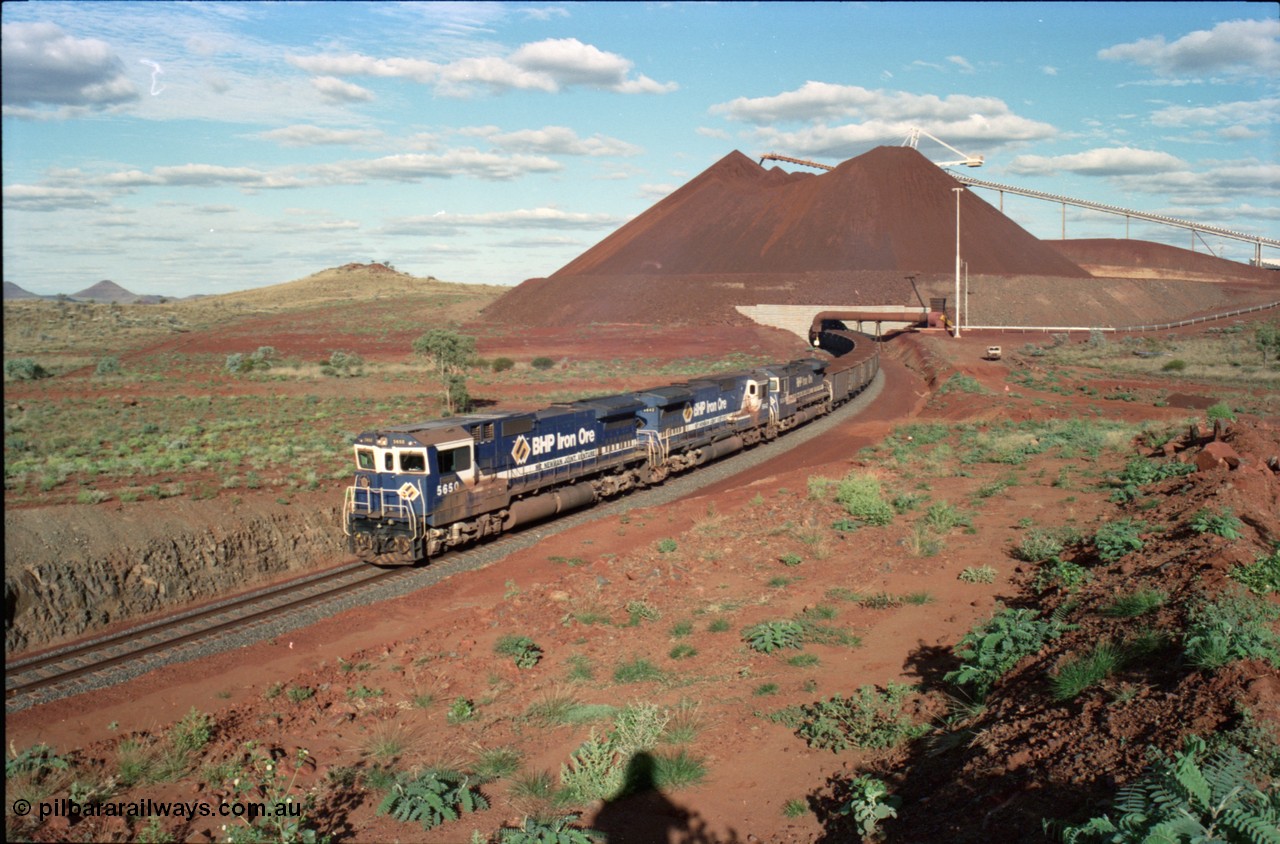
[957,192]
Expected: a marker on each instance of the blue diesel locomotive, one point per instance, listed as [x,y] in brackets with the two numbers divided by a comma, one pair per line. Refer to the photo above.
[423,488]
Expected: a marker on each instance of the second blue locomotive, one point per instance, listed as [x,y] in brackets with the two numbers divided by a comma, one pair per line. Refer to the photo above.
[423,488]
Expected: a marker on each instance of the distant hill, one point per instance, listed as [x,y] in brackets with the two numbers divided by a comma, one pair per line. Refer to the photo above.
[13,291]
[106,291]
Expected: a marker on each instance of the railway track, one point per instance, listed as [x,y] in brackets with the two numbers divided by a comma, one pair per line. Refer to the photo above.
[71,669]
[262,613]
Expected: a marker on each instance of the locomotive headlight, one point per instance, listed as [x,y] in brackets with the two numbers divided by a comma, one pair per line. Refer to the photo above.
[363,482]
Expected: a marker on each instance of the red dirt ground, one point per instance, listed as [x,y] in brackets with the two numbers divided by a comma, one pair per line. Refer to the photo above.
[730,538]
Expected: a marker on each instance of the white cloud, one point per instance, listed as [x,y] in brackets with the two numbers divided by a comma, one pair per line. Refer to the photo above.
[1112,161]
[1238,113]
[550,65]
[308,136]
[891,112]
[560,140]
[1248,47]
[336,91]
[47,198]
[42,65]
[961,62]
[527,218]
[411,167]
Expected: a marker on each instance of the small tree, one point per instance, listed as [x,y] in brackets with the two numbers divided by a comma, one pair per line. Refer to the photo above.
[1266,337]
[449,351]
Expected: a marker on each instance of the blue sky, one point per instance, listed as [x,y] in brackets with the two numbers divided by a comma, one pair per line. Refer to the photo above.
[181,148]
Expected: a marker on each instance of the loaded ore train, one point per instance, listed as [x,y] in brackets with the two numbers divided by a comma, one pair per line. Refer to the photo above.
[424,488]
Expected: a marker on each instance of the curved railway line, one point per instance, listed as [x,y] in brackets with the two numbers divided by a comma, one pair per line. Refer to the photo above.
[269,611]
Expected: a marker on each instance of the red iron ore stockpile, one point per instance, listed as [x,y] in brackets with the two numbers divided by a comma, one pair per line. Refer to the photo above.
[741,234]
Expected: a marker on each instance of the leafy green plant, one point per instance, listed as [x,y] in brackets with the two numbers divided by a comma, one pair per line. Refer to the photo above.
[638,611]
[769,636]
[982,574]
[554,830]
[1262,577]
[1037,546]
[25,369]
[1116,539]
[868,803]
[1141,471]
[1064,574]
[1197,795]
[39,760]
[862,499]
[432,798]
[1232,626]
[461,710]
[989,651]
[870,718]
[522,649]
[273,783]
[1222,523]
[542,363]
[1220,411]
[791,559]
[666,546]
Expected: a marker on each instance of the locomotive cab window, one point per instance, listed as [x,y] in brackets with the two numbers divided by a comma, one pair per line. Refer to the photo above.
[774,386]
[388,461]
[452,460]
[413,461]
[364,459]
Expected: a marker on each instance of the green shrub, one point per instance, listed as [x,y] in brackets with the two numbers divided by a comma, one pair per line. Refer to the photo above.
[868,803]
[1220,411]
[542,363]
[107,366]
[1261,577]
[1175,365]
[1197,795]
[1222,523]
[1140,472]
[989,651]
[666,546]
[1232,626]
[542,830]
[502,364]
[1038,546]
[343,364]
[983,574]
[1116,539]
[432,798]
[522,649]
[461,710]
[958,383]
[1064,574]
[769,636]
[861,497]
[869,719]
[25,369]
